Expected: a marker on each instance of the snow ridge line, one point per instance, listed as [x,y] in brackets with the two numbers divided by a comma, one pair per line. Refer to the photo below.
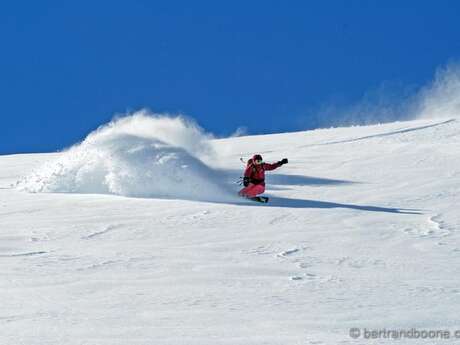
[399,131]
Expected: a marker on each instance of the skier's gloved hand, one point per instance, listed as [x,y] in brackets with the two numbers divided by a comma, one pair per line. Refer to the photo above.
[246,181]
[283,161]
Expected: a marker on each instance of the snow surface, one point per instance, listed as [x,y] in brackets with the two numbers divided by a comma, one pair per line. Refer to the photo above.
[139,155]
[140,240]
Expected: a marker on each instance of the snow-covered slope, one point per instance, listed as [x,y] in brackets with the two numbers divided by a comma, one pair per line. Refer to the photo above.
[361,231]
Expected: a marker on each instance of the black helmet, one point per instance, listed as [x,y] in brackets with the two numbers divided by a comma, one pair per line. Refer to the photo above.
[257,157]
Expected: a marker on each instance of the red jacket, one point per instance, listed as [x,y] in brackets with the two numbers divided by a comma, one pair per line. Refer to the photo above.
[256,172]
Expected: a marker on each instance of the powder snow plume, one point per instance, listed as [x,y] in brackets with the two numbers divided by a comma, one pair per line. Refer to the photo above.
[442,97]
[439,98]
[140,155]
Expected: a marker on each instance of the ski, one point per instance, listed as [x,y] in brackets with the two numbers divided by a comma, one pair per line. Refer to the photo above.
[262,199]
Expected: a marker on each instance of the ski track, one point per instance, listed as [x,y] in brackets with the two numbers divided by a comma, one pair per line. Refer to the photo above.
[13,255]
[288,252]
[433,228]
[279,219]
[101,232]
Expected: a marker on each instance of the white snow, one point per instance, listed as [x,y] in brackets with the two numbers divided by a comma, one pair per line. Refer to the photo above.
[140,155]
[361,231]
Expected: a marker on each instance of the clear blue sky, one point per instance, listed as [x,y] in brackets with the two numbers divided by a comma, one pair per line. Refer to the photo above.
[68,66]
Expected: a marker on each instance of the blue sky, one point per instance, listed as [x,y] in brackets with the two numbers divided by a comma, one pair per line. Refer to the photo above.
[67,67]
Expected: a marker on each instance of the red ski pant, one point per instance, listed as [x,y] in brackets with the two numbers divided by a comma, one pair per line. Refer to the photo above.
[252,190]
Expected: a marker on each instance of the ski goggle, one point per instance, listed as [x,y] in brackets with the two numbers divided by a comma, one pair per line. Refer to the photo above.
[258,161]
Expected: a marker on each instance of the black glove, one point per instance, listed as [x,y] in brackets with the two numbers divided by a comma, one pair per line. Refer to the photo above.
[246,181]
[283,161]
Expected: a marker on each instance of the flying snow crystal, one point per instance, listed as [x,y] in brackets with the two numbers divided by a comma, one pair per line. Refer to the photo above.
[142,155]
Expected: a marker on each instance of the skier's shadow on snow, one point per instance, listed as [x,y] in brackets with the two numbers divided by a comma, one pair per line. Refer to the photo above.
[275,180]
[303,203]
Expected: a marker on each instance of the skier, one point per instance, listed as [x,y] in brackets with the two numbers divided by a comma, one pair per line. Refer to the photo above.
[254,176]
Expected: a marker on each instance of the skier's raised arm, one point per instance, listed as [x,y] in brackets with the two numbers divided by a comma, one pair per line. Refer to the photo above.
[268,166]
